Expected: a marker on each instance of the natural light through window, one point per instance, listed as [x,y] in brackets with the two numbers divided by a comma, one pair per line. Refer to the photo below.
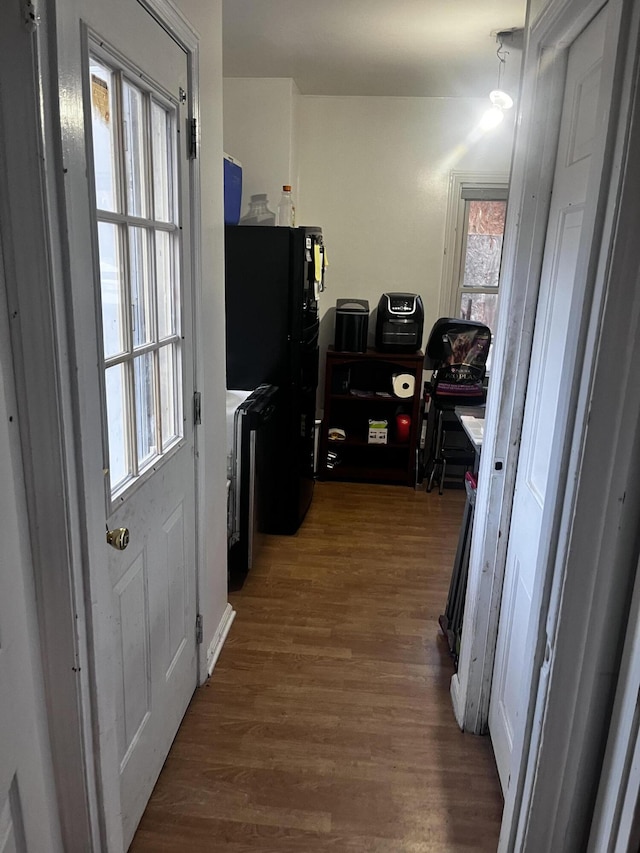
[476,213]
[484,230]
[134,158]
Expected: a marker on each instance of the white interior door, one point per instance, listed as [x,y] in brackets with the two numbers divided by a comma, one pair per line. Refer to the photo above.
[27,799]
[560,295]
[134,345]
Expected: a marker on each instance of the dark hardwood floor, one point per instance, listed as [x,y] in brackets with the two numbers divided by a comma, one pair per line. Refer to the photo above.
[327,724]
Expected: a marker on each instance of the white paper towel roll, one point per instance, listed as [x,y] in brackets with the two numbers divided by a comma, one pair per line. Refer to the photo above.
[403,384]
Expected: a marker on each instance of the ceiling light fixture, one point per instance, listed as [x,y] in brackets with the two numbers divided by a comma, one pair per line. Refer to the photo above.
[500,100]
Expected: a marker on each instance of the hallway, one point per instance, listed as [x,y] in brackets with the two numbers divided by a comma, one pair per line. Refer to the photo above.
[327,723]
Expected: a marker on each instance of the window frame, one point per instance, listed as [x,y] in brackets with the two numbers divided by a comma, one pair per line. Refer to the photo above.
[125,72]
[464,187]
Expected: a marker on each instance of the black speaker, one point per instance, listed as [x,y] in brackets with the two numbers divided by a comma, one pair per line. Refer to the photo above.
[352,325]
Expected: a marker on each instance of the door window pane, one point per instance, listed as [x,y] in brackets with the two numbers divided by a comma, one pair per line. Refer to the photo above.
[115,388]
[101,81]
[167,307]
[168,407]
[135,168]
[110,289]
[485,229]
[160,127]
[145,407]
[140,286]
[133,128]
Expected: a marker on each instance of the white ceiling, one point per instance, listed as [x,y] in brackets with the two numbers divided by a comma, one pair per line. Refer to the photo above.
[419,48]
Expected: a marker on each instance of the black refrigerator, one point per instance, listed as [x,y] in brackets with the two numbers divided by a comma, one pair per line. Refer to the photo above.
[273,276]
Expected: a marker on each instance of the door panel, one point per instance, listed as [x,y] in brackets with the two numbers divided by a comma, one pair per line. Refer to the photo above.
[548,378]
[520,603]
[139,468]
[560,301]
[132,612]
[153,582]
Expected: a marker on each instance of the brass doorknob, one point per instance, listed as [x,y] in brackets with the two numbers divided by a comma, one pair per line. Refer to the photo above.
[118,538]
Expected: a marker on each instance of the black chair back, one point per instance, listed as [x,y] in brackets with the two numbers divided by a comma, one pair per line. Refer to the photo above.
[457,352]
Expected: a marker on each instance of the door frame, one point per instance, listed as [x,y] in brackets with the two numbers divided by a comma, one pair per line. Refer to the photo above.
[49,408]
[30,224]
[615,820]
[577,652]
[544,67]
[562,627]
[17,109]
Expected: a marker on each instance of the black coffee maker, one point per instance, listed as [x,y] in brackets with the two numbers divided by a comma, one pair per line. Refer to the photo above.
[399,323]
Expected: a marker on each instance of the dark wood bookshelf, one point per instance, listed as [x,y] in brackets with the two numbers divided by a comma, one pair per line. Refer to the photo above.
[369,374]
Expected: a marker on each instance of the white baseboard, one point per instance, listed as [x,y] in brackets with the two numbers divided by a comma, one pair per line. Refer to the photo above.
[456,700]
[215,647]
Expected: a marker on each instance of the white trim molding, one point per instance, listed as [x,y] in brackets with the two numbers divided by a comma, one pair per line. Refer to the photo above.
[222,631]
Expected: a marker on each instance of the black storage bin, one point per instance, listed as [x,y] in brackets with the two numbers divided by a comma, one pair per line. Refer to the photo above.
[352,325]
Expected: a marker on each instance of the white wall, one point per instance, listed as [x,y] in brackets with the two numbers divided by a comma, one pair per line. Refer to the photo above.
[206,17]
[374,174]
[260,130]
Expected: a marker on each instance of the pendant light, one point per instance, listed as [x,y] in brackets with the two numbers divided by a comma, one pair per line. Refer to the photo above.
[500,100]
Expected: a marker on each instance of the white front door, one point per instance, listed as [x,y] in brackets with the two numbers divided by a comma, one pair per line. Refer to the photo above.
[128,211]
[27,801]
[560,299]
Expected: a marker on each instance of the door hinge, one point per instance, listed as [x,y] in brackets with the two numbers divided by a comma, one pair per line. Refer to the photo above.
[198,629]
[197,408]
[192,135]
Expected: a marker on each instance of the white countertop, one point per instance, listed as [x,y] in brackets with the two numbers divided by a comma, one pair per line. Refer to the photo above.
[474,428]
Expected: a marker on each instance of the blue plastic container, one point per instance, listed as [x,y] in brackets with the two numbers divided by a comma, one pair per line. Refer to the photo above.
[232,190]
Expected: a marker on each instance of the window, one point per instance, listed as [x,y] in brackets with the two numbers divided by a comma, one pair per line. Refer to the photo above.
[477,210]
[134,132]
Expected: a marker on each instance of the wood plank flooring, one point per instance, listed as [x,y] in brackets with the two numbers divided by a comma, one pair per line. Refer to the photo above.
[327,724]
